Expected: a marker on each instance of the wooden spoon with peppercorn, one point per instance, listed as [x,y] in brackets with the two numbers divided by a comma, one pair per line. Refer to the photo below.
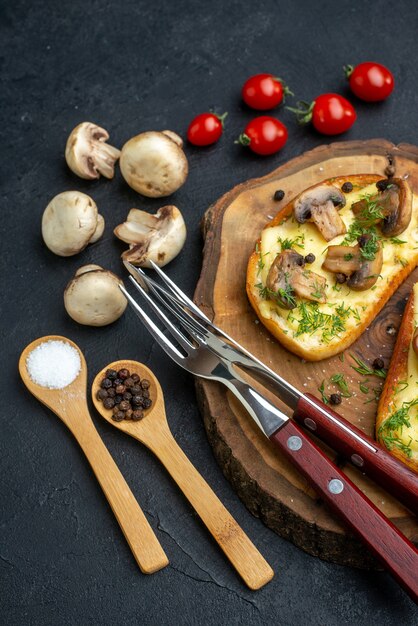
[129,396]
[69,403]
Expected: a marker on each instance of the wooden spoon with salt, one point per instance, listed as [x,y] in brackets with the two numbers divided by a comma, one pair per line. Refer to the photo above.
[154,432]
[69,403]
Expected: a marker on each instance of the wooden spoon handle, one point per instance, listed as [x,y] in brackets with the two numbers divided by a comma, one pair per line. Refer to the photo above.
[241,552]
[141,538]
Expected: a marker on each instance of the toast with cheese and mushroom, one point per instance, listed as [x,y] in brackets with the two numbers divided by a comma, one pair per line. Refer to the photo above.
[327,263]
[397,413]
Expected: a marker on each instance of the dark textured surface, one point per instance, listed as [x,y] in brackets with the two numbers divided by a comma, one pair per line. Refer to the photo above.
[134,66]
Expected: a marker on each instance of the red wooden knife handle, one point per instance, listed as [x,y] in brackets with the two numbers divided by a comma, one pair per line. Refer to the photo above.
[362,451]
[387,543]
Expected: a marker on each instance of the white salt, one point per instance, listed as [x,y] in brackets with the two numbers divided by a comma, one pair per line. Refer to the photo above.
[53,364]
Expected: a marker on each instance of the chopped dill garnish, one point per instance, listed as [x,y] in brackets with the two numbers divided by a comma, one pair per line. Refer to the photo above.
[365,370]
[312,319]
[321,390]
[356,230]
[396,241]
[391,441]
[341,357]
[287,295]
[391,429]
[348,256]
[401,260]
[373,211]
[260,262]
[401,386]
[269,294]
[339,380]
[318,292]
[376,391]
[288,244]
[369,249]
[363,388]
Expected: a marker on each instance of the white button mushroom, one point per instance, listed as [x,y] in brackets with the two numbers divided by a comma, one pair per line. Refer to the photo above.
[157,238]
[70,222]
[154,163]
[87,153]
[93,297]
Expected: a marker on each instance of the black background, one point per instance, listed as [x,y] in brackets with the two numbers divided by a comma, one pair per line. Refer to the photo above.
[130,67]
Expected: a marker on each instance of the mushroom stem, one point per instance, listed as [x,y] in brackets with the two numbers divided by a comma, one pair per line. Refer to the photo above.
[320,205]
[342,259]
[157,238]
[328,221]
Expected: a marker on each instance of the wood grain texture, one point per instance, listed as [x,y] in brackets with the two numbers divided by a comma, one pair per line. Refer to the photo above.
[70,405]
[154,432]
[270,487]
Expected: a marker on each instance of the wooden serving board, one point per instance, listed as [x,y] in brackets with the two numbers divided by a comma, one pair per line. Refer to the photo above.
[267,484]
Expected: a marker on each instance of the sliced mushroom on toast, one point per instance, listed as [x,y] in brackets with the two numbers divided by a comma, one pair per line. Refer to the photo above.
[320,205]
[361,264]
[288,278]
[390,207]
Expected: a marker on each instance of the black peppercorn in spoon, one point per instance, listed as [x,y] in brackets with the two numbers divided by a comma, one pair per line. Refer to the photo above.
[154,432]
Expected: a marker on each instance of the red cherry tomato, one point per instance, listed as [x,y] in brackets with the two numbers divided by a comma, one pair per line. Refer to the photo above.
[264,91]
[264,135]
[371,82]
[205,129]
[330,113]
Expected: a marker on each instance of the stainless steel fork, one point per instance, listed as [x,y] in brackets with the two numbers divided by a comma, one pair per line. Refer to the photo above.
[345,438]
[190,351]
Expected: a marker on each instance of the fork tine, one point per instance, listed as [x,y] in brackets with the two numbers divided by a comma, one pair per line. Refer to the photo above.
[159,336]
[149,284]
[179,293]
[182,339]
[173,305]
[208,324]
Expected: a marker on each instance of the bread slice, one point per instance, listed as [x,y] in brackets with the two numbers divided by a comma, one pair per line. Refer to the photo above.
[316,331]
[397,413]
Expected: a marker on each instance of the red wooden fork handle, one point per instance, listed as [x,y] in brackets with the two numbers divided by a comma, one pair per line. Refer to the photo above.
[359,449]
[388,544]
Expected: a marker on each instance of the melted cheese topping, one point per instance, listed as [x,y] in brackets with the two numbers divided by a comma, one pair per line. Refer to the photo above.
[395,256]
[408,393]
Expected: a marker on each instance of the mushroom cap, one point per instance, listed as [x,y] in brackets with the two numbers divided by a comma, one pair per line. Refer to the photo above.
[316,197]
[394,203]
[93,297]
[398,219]
[153,164]
[157,238]
[87,153]
[69,222]
[369,270]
